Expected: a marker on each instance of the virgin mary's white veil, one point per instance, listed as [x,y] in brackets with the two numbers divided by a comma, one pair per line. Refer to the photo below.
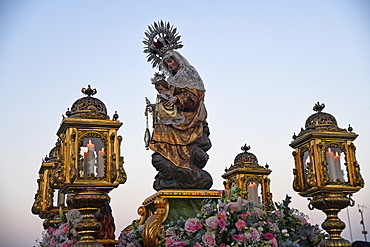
[186,76]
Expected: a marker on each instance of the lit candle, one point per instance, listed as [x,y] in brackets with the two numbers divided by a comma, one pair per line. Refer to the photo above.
[252,193]
[90,146]
[331,167]
[90,158]
[100,168]
[337,167]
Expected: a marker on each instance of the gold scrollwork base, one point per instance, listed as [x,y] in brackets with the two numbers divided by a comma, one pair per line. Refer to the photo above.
[153,225]
[168,205]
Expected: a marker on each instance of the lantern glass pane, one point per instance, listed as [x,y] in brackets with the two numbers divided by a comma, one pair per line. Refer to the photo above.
[92,153]
[335,160]
[58,199]
[55,198]
[305,161]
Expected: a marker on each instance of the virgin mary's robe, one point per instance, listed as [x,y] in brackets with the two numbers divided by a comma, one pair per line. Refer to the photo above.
[172,141]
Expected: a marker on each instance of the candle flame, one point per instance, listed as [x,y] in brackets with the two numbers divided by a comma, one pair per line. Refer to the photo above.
[90,141]
[102,149]
[329,150]
[337,154]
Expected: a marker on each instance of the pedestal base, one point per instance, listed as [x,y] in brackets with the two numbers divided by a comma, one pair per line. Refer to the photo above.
[108,242]
[169,205]
[335,242]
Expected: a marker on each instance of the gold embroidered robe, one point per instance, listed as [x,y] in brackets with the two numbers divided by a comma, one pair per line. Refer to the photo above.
[172,141]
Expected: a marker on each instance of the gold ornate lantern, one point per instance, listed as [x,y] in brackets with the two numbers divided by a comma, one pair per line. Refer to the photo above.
[89,164]
[45,196]
[326,170]
[248,175]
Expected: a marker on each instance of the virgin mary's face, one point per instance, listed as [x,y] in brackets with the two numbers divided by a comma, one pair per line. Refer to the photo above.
[172,64]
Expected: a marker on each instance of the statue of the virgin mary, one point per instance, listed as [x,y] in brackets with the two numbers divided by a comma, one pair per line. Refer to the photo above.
[179,149]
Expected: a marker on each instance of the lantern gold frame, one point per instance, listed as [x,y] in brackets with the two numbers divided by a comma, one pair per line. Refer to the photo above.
[245,170]
[312,179]
[44,197]
[87,192]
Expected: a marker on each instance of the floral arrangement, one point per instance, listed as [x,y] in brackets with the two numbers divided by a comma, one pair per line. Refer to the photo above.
[64,233]
[132,238]
[233,221]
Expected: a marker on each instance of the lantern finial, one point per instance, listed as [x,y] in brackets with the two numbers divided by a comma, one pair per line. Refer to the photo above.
[245,148]
[317,107]
[89,92]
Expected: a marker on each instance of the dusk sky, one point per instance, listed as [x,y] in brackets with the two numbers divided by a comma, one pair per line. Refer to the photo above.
[264,65]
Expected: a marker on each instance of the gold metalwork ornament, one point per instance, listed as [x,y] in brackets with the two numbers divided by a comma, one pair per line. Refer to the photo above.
[311,178]
[44,197]
[160,38]
[246,169]
[36,207]
[86,119]
[87,199]
[144,213]
[329,194]
[153,225]
[331,204]
[157,208]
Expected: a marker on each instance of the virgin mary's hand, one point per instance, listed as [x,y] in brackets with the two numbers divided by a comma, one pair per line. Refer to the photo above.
[170,102]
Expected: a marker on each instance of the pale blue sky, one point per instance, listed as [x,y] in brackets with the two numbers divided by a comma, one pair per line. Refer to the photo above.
[264,64]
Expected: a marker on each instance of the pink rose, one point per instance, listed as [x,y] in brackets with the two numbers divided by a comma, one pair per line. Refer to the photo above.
[209,239]
[243,238]
[192,225]
[197,245]
[222,215]
[212,223]
[240,224]
[274,242]
[235,237]
[222,223]
[268,236]
[245,215]
[222,245]
[168,241]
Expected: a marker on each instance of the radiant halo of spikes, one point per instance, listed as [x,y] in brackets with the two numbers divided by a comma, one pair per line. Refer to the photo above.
[160,37]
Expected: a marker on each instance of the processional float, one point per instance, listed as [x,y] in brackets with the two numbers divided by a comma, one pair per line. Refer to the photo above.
[86,163]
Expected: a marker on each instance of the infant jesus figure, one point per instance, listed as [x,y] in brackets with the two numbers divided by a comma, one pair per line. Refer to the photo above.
[162,112]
